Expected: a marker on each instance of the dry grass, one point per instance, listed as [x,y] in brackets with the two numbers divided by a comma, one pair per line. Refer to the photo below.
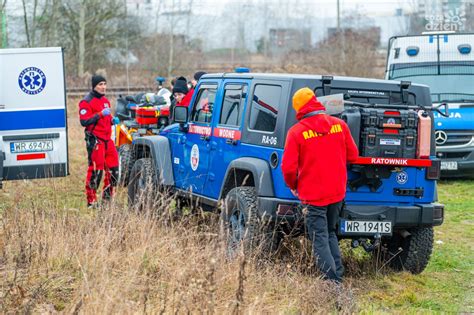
[56,255]
[119,261]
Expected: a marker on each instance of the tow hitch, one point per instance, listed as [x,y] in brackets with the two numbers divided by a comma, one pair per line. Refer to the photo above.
[369,245]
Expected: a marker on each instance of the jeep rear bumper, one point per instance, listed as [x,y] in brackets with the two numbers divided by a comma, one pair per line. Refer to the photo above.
[402,217]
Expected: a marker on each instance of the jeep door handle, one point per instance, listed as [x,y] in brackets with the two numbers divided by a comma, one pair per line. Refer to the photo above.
[231,141]
[205,138]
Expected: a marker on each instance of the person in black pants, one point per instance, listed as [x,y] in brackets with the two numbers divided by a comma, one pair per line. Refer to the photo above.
[314,166]
[321,228]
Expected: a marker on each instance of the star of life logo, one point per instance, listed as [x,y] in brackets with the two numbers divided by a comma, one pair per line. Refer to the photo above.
[402,177]
[453,20]
[32,80]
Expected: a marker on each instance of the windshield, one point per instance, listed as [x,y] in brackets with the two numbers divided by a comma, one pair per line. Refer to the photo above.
[448,81]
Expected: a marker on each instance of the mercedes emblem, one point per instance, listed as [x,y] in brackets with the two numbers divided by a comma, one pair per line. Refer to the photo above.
[440,137]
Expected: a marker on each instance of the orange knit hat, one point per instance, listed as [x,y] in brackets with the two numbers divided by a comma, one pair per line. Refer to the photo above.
[301,97]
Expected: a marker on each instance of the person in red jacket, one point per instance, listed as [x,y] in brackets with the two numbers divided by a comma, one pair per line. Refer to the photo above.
[314,166]
[95,116]
[181,92]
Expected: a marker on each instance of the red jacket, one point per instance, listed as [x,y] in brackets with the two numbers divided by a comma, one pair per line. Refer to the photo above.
[90,114]
[186,101]
[316,154]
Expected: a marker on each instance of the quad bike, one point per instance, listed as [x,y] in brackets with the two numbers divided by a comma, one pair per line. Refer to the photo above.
[144,114]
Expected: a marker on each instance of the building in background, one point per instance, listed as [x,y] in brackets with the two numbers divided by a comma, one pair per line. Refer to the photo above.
[282,40]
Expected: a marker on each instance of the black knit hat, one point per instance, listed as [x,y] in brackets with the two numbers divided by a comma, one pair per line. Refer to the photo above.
[96,79]
[198,75]
[180,86]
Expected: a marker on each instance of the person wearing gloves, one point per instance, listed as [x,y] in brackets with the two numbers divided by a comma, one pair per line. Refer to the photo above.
[95,116]
[314,167]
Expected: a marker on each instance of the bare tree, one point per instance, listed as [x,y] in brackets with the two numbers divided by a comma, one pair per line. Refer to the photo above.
[47,23]
[329,56]
[176,14]
[349,53]
[91,28]
[30,22]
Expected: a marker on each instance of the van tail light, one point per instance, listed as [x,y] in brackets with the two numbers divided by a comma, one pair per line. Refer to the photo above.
[423,147]
[434,171]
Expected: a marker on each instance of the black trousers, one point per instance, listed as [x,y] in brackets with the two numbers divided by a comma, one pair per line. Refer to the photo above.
[321,228]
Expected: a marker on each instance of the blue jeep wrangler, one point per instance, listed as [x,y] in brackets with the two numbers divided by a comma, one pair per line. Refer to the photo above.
[227,146]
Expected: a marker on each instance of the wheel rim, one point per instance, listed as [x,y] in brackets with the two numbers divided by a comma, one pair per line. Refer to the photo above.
[141,182]
[236,230]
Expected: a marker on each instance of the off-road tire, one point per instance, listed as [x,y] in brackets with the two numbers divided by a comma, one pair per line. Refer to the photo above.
[411,253]
[142,188]
[243,228]
[126,160]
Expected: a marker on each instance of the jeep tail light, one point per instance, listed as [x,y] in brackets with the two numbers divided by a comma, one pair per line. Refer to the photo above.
[434,171]
[283,209]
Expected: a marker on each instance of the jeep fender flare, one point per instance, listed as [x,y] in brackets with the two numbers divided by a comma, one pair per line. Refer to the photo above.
[159,151]
[260,169]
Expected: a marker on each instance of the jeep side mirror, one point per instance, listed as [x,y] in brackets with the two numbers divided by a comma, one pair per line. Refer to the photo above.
[437,108]
[180,115]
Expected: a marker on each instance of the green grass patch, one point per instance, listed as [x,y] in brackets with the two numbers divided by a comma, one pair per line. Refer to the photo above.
[447,283]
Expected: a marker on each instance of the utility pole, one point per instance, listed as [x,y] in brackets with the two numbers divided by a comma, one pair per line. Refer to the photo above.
[338,17]
[126,47]
[172,21]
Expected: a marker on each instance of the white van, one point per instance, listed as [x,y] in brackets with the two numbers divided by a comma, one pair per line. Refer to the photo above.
[444,62]
[33,124]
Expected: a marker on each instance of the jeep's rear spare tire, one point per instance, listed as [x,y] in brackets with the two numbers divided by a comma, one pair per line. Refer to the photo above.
[413,252]
[242,226]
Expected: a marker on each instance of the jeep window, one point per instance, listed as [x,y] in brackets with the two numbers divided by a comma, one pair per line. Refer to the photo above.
[265,105]
[232,105]
[204,104]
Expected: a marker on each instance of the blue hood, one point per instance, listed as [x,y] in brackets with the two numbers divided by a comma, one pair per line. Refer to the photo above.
[459,119]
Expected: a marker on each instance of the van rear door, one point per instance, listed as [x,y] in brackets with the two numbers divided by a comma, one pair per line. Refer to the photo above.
[33,127]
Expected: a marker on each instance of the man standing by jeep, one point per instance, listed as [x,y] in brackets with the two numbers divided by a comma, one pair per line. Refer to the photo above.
[95,116]
[314,166]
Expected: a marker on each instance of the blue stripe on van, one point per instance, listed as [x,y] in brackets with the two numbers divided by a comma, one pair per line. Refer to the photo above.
[33,119]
